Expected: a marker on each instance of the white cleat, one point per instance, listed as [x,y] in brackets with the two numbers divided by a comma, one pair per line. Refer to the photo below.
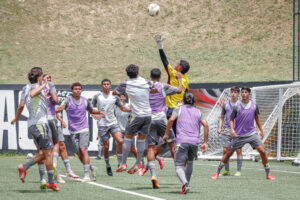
[59,179]
[71,174]
[94,173]
[86,179]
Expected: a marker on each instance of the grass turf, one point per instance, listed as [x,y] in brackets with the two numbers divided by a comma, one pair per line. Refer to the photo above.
[251,185]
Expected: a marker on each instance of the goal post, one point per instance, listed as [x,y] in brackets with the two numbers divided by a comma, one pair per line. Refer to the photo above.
[279,107]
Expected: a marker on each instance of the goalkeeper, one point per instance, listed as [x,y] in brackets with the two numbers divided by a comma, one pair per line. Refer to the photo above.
[183,66]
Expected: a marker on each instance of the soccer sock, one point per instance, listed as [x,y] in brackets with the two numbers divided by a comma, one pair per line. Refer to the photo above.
[50,176]
[119,159]
[42,171]
[239,163]
[227,166]
[100,148]
[158,158]
[107,162]
[140,150]
[267,168]
[67,165]
[151,166]
[221,165]
[181,174]
[126,149]
[28,164]
[86,169]
[55,157]
[189,170]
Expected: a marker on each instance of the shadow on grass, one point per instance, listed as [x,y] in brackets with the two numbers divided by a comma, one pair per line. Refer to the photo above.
[178,192]
[29,191]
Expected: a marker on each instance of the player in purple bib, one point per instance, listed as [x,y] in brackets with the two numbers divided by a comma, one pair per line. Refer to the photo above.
[226,112]
[189,121]
[159,122]
[243,130]
[76,107]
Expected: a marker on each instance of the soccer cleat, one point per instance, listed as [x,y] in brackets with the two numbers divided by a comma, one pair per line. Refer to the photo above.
[215,176]
[161,163]
[226,173]
[122,168]
[22,172]
[238,173]
[185,188]
[133,169]
[86,179]
[71,174]
[59,179]
[109,171]
[52,187]
[98,157]
[94,175]
[43,184]
[270,177]
[142,171]
[155,184]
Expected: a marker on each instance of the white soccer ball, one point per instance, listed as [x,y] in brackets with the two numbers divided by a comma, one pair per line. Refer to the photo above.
[153,9]
[29,156]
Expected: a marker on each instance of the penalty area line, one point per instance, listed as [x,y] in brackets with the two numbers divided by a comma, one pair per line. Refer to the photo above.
[116,189]
[248,168]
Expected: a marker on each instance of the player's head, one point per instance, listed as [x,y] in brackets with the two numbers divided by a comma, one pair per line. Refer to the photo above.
[155,74]
[183,66]
[246,92]
[48,78]
[234,92]
[76,89]
[35,75]
[189,98]
[106,85]
[122,97]
[132,71]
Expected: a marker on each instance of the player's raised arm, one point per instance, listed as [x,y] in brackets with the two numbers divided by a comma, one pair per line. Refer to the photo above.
[162,54]
[37,90]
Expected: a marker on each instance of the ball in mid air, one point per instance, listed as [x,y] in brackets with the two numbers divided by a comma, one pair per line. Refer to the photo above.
[153,9]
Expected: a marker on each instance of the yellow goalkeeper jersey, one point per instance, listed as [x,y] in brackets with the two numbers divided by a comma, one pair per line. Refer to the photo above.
[176,100]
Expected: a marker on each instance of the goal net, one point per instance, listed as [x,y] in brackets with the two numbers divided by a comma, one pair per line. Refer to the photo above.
[279,107]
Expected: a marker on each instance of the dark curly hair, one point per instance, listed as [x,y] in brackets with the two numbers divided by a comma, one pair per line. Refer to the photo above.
[34,74]
[132,70]
[189,98]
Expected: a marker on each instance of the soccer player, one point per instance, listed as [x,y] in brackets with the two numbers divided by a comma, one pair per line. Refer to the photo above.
[41,165]
[137,89]
[183,66]
[57,135]
[123,118]
[76,107]
[226,112]
[243,130]
[106,102]
[159,121]
[189,121]
[36,103]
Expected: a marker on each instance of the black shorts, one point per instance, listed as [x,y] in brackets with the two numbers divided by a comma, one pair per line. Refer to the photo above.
[138,125]
[185,152]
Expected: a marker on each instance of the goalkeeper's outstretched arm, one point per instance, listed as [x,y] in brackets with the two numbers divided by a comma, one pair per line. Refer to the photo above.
[162,54]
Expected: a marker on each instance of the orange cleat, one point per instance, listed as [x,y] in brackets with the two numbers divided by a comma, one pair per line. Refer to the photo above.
[155,184]
[215,176]
[270,177]
[122,168]
[52,187]
[22,172]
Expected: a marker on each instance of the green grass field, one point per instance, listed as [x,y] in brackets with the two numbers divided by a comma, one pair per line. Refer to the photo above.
[251,185]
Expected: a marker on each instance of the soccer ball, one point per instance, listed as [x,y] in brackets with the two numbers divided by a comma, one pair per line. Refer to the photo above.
[153,9]
[29,156]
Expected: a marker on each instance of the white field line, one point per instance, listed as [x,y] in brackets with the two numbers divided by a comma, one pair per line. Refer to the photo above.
[272,170]
[117,189]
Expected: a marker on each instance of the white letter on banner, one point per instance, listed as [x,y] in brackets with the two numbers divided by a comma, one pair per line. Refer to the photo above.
[25,143]
[7,99]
